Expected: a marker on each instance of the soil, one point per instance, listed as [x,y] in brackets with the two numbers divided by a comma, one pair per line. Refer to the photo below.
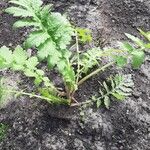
[35,125]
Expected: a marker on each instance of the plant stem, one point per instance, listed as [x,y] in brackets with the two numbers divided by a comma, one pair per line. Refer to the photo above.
[94,73]
[80,104]
[78,57]
[50,99]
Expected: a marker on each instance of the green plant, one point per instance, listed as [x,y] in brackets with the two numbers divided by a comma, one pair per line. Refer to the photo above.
[118,87]
[18,60]
[52,35]
[135,50]
[84,35]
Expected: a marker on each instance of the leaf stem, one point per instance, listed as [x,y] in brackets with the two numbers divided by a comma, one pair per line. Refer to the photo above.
[78,58]
[80,104]
[50,99]
[94,73]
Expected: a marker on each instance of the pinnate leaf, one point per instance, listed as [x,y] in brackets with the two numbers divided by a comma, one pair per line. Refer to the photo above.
[25,23]
[19,12]
[36,38]
[46,49]
[23,3]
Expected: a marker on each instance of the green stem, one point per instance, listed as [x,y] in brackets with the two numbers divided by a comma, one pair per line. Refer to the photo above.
[80,104]
[78,58]
[94,73]
[50,99]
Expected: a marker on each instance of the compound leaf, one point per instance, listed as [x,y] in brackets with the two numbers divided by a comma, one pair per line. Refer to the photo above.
[19,12]
[36,38]
[119,87]
[46,49]
[26,23]
[23,3]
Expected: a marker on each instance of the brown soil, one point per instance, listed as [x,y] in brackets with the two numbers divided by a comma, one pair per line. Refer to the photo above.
[35,125]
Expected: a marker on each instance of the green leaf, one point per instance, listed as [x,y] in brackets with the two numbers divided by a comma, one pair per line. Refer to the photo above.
[107,102]
[36,38]
[36,4]
[45,12]
[90,59]
[126,46]
[145,34]
[47,82]
[120,60]
[61,66]
[23,3]
[84,35]
[29,73]
[120,87]
[61,28]
[125,89]
[17,67]
[37,81]
[112,84]
[137,58]
[19,12]
[136,40]
[32,62]
[147,45]
[40,72]
[26,23]
[98,103]
[126,94]
[2,63]
[6,55]
[118,96]
[46,49]
[105,86]
[19,55]
[54,59]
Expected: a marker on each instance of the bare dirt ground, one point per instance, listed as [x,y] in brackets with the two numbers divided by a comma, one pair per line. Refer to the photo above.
[125,126]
